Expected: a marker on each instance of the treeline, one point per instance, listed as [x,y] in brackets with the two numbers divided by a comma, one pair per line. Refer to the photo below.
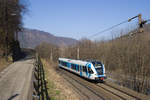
[48,51]
[10,24]
[126,57]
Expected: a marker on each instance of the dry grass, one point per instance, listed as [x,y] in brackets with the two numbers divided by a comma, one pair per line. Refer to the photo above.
[3,64]
[58,87]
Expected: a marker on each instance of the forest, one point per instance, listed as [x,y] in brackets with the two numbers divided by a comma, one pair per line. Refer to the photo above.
[126,57]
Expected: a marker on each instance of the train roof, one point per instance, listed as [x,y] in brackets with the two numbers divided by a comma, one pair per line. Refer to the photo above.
[80,62]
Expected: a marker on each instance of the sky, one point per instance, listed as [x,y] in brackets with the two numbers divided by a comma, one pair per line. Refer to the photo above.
[83,18]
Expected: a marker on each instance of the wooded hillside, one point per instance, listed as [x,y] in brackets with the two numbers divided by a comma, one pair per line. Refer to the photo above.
[126,56]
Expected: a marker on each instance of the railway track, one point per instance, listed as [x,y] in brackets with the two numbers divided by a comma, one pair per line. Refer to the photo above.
[129,92]
[116,92]
[103,91]
[80,90]
[122,91]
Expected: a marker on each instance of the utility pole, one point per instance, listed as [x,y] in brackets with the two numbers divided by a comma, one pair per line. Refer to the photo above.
[141,22]
[51,56]
[78,51]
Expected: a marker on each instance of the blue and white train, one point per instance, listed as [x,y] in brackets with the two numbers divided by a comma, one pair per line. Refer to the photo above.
[93,70]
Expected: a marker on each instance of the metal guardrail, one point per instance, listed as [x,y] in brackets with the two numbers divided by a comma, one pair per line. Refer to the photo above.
[39,83]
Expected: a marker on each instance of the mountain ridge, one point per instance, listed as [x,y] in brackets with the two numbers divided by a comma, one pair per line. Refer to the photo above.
[30,38]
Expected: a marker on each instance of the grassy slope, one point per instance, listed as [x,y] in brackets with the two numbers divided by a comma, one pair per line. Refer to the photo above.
[58,87]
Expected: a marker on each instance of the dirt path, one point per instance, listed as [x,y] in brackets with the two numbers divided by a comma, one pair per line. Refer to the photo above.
[15,80]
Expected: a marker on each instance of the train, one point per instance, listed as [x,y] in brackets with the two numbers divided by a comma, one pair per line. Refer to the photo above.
[89,69]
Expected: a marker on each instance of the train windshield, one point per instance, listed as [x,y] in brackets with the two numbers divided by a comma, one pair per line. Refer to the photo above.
[99,70]
[98,67]
[96,63]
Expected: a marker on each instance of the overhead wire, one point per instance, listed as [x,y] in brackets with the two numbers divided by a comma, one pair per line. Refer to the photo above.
[148,20]
[108,29]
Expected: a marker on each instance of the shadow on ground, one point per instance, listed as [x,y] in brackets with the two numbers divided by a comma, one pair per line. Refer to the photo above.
[13,97]
[25,55]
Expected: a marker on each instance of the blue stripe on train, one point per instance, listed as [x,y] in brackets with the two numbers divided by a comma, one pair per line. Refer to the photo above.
[77,67]
[101,75]
[89,73]
[68,65]
[89,66]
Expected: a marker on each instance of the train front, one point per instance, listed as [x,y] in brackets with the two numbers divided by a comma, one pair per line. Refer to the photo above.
[100,71]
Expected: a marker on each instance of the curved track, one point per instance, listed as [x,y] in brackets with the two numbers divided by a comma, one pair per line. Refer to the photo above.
[81,93]
[86,92]
[103,91]
[116,92]
[122,91]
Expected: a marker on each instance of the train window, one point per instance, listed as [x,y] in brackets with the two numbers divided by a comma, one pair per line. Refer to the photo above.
[80,68]
[84,69]
[73,66]
[64,64]
[90,71]
[77,67]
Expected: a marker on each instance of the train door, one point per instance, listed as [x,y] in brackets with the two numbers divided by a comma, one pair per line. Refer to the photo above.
[80,70]
[77,68]
[84,71]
